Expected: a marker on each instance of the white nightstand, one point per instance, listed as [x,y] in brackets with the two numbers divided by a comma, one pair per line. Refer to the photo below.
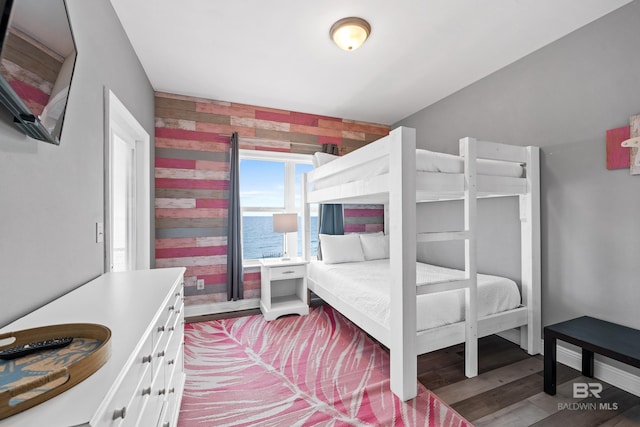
[283,287]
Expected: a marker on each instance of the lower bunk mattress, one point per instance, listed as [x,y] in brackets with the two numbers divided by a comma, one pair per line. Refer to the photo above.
[366,286]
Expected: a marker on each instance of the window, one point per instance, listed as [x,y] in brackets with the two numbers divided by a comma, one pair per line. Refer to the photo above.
[271,183]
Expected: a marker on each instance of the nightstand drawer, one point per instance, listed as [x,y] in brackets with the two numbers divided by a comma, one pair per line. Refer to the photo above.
[288,272]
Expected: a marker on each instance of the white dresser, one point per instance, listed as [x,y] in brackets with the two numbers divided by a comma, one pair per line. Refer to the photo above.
[143,380]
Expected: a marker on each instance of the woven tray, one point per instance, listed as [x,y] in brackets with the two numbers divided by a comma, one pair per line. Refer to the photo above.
[30,380]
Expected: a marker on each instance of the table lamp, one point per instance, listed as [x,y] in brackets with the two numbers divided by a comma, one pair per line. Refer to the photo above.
[285,223]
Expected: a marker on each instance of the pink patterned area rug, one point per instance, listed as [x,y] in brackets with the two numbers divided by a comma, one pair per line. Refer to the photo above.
[315,370]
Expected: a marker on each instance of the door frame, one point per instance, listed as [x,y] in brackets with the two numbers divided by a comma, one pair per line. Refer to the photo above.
[119,119]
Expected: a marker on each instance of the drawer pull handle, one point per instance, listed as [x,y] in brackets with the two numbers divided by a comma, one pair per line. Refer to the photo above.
[171,308]
[161,392]
[146,359]
[146,391]
[171,362]
[167,424]
[172,390]
[172,328]
[120,413]
[288,272]
[161,328]
[178,294]
[161,354]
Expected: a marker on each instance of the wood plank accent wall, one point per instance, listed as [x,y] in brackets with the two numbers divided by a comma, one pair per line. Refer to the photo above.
[363,218]
[192,179]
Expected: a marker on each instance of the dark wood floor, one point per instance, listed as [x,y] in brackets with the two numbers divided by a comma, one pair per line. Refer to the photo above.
[508,390]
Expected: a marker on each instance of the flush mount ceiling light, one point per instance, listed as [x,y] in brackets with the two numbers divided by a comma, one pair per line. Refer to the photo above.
[350,33]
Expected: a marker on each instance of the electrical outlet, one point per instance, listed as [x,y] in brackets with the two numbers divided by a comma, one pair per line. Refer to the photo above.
[200,284]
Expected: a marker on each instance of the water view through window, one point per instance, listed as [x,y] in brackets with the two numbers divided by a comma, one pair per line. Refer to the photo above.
[259,240]
[266,187]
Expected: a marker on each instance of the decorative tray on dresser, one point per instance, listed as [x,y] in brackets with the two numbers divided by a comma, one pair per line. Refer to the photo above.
[39,363]
[141,382]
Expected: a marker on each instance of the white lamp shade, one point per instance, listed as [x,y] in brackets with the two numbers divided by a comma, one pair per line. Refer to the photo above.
[285,222]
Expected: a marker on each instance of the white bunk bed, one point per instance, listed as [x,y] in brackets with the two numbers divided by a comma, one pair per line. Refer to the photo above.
[384,172]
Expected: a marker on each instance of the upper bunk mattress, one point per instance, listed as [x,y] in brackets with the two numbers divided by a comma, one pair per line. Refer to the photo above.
[365,285]
[426,161]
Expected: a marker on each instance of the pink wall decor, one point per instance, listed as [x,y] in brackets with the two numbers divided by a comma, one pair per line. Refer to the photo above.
[617,156]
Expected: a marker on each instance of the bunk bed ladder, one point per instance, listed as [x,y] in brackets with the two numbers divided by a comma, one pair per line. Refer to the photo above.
[470,281]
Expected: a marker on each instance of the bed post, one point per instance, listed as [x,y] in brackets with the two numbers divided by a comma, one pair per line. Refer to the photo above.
[306,220]
[386,218]
[306,227]
[468,150]
[402,241]
[530,335]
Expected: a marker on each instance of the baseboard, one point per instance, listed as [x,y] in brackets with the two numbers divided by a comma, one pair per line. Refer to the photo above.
[512,335]
[231,306]
[221,307]
[603,371]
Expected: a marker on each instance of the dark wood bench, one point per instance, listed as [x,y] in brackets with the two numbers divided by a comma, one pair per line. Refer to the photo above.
[594,336]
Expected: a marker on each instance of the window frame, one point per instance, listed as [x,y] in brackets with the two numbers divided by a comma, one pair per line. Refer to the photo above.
[290,161]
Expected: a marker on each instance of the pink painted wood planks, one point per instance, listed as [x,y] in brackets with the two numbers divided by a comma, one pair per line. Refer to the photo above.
[191,178]
[617,156]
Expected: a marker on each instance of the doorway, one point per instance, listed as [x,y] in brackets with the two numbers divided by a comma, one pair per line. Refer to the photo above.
[127,192]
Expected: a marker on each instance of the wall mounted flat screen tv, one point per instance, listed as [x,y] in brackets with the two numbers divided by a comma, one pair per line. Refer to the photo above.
[37,59]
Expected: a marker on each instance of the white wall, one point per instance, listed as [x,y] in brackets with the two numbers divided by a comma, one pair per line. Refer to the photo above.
[51,197]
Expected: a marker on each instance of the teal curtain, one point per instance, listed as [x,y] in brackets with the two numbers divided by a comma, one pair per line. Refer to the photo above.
[330,216]
[331,219]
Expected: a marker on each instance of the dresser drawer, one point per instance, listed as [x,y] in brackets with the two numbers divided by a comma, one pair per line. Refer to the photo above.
[166,323]
[158,395]
[160,349]
[175,340]
[166,418]
[160,327]
[119,410]
[177,296]
[176,377]
[290,272]
[174,393]
[136,405]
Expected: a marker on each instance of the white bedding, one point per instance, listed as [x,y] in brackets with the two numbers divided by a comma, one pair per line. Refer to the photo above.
[426,161]
[366,285]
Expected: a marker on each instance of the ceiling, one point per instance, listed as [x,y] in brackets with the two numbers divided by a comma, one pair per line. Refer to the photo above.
[278,53]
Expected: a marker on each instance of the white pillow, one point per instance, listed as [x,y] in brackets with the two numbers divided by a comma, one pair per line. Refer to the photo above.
[375,246]
[321,158]
[341,248]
